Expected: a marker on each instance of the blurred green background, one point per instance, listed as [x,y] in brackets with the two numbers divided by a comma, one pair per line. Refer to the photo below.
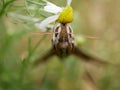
[20,46]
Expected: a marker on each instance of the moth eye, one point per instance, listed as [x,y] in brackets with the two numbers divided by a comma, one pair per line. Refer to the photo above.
[56,34]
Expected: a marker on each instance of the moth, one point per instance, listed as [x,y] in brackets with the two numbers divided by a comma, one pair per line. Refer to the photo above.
[63,45]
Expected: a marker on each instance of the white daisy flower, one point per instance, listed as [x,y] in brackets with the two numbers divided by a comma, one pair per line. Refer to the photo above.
[56,10]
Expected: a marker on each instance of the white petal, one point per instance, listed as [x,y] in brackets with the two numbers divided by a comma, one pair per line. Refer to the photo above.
[46,22]
[24,17]
[69,2]
[52,8]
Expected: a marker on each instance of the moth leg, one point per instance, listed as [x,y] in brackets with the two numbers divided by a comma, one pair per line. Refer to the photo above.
[45,57]
[89,77]
[89,58]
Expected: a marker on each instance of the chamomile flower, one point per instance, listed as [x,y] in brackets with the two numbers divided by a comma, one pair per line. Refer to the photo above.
[60,15]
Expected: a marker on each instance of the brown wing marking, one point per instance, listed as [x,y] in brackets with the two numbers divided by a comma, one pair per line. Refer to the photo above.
[89,58]
[45,57]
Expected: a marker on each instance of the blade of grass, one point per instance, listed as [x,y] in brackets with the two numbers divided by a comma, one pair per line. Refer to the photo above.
[5,6]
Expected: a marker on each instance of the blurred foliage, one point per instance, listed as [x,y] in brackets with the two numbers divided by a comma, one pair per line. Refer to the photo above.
[19,47]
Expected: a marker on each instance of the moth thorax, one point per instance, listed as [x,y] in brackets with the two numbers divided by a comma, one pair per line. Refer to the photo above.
[63,39]
[62,33]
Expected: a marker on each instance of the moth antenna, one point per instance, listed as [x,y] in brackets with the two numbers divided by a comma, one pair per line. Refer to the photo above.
[42,33]
[50,33]
[88,37]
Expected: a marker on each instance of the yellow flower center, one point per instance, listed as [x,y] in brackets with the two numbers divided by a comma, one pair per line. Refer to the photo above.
[66,16]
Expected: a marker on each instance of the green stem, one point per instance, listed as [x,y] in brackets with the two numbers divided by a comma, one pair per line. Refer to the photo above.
[5,6]
[33,2]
